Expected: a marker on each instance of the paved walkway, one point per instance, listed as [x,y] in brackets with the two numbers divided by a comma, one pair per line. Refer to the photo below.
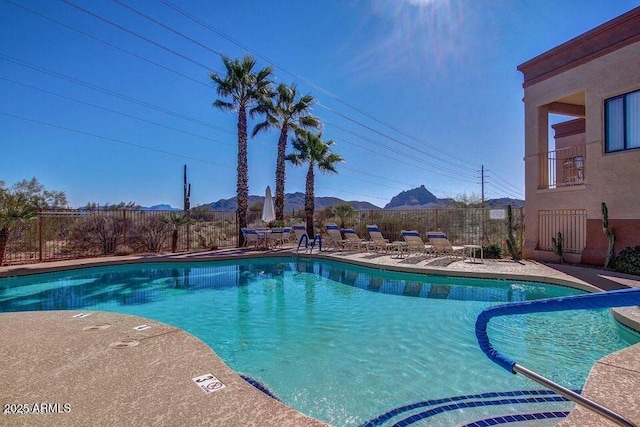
[106,373]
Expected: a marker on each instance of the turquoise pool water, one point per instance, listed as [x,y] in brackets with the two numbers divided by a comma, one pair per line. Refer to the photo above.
[338,342]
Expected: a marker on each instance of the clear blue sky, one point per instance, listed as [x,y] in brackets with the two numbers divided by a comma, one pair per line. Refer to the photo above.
[412,91]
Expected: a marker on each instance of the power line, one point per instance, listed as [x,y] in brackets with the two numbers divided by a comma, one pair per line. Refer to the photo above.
[167,27]
[507,183]
[307,81]
[115,112]
[218,53]
[133,33]
[145,104]
[456,174]
[110,92]
[84,33]
[119,141]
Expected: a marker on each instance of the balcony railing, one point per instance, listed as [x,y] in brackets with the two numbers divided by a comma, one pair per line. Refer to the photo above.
[563,168]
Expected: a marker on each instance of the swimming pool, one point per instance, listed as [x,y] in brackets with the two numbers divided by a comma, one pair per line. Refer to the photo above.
[342,343]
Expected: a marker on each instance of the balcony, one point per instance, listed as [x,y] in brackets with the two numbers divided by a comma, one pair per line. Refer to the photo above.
[563,168]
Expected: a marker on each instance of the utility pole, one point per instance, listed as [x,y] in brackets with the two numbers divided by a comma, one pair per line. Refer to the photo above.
[482,205]
[482,180]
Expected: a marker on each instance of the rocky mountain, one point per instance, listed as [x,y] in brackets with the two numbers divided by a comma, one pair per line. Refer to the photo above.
[416,198]
[291,201]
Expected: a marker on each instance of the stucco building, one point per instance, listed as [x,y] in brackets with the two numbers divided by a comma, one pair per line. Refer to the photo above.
[589,87]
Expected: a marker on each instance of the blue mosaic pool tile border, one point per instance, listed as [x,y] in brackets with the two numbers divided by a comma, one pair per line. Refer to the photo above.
[462,405]
[380,420]
[257,384]
[517,418]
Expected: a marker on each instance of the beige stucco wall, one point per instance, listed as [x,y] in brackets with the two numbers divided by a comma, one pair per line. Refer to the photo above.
[612,178]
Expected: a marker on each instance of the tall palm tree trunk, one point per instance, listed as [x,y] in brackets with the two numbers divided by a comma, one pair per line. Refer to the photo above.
[309,200]
[280,175]
[242,195]
[4,239]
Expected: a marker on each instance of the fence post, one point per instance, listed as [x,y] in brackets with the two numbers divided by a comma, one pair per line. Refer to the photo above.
[188,230]
[436,220]
[40,236]
[521,230]
[124,227]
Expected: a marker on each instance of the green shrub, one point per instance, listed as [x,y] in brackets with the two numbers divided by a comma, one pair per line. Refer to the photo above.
[628,261]
[492,251]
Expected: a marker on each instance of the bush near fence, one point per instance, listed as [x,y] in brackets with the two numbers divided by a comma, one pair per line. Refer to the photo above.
[71,234]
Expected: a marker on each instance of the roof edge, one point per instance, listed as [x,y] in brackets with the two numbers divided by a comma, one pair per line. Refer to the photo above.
[612,35]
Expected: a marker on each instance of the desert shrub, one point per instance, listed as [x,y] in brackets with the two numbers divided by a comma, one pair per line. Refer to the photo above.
[628,261]
[123,250]
[97,233]
[151,234]
[491,251]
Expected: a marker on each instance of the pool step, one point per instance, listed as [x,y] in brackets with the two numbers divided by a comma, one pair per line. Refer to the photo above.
[518,418]
[423,411]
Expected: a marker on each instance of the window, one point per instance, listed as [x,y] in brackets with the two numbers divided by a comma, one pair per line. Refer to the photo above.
[622,122]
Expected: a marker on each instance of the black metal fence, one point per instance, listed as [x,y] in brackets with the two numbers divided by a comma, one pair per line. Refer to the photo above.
[72,234]
[461,225]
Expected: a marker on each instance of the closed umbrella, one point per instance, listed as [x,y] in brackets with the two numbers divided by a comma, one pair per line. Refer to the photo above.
[268,213]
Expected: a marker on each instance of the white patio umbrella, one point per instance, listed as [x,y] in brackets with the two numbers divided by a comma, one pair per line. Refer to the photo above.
[268,213]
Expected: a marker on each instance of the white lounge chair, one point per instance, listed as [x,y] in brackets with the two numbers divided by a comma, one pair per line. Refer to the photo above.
[379,242]
[334,238]
[442,244]
[415,244]
[354,241]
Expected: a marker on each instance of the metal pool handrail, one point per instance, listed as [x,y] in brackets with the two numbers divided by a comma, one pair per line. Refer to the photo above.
[306,242]
[317,238]
[619,298]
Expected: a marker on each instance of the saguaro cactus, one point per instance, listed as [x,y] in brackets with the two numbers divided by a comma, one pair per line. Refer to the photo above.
[511,241]
[186,192]
[610,233]
[556,244]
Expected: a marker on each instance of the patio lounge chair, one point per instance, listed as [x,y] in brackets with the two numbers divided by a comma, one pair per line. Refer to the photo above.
[379,242]
[442,245]
[415,243]
[250,237]
[354,241]
[334,238]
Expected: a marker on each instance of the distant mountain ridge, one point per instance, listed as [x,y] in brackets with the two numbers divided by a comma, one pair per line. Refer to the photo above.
[291,201]
[416,198]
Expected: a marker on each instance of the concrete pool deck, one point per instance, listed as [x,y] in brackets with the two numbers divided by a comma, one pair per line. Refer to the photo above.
[90,363]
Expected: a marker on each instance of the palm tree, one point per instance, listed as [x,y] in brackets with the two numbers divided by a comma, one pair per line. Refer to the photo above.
[312,150]
[287,110]
[245,89]
[343,211]
[175,220]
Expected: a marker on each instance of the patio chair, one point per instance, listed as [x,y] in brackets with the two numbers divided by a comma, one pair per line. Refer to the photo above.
[415,244]
[379,242]
[442,245]
[250,237]
[334,238]
[354,241]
